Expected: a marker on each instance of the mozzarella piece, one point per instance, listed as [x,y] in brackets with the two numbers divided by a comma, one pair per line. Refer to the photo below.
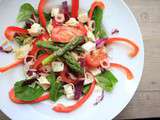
[88,78]
[36,29]
[22,51]
[72,22]
[69,90]
[57,66]
[89,46]
[90,35]
[95,71]
[83,17]
[43,82]
[54,12]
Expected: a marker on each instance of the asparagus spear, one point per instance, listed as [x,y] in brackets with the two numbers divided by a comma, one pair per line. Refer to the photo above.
[62,51]
[47,44]
[72,63]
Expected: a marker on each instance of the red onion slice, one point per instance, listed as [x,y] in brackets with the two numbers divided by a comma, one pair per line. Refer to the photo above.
[105,64]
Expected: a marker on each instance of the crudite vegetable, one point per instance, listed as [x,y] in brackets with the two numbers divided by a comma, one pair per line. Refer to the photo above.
[63,54]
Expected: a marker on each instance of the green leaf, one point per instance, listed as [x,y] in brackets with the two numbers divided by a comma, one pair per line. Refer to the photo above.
[27,93]
[106,80]
[56,88]
[25,12]
[86,88]
[47,16]
[99,29]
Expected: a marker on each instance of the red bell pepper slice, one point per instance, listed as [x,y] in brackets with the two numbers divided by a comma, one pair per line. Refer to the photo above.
[93,6]
[38,62]
[75,7]
[41,14]
[67,109]
[8,67]
[126,70]
[12,30]
[119,39]
[16,100]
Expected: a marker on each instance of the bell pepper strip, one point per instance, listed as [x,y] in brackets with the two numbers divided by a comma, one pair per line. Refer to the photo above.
[17,101]
[93,6]
[67,109]
[10,66]
[128,72]
[119,39]
[41,14]
[38,62]
[75,7]
[12,30]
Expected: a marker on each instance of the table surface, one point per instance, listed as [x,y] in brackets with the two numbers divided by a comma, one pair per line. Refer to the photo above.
[146,101]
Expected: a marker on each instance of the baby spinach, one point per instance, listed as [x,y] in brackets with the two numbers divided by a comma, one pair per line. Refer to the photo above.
[27,93]
[106,80]
[56,87]
[25,12]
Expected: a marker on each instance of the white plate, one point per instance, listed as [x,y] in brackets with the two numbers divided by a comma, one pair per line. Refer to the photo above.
[117,15]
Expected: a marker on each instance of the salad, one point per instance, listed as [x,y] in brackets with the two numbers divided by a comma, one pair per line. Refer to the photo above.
[63,52]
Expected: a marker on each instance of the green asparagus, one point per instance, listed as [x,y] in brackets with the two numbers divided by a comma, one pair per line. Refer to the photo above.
[72,63]
[47,44]
[62,51]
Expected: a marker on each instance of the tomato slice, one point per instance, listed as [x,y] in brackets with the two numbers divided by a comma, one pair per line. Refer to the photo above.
[95,57]
[65,34]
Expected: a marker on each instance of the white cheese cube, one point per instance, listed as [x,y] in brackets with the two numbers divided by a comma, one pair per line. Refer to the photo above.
[44,83]
[57,66]
[89,46]
[54,12]
[69,91]
[95,71]
[36,29]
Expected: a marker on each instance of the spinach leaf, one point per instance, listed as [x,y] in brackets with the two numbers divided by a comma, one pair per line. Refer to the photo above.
[86,88]
[56,88]
[97,17]
[27,93]
[47,16]
[106,80]
[25,12]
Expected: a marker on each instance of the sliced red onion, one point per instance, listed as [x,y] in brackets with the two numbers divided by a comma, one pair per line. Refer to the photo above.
[32,73]
[78,89]
[100,42]
[82,62]
[60,18]
[29,59]
[72,76]
[99,98]
[115,31]
[92,25]
[65,10]
[105,64]
[8,49]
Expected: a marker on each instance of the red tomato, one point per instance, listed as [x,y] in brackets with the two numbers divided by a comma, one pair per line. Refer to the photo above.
[93,59]
[65,34]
